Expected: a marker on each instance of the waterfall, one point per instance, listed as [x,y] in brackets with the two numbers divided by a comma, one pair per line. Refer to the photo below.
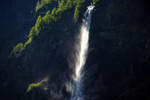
[81,54]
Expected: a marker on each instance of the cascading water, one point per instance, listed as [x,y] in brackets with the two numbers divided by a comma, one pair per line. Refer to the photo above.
[82,53]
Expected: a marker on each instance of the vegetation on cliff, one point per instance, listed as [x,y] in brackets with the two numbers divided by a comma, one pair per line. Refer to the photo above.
[42,3]
[36,85]
[50,16]
[95,1]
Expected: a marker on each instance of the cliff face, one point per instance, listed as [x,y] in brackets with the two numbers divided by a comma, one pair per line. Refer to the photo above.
[117,66]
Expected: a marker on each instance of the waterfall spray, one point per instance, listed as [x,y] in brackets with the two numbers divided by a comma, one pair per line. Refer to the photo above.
[81,56]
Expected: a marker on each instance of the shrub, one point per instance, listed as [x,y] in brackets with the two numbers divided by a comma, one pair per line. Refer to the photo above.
[36,85]
[17,50]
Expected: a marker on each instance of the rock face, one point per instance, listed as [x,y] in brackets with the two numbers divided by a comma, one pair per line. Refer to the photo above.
[117,66]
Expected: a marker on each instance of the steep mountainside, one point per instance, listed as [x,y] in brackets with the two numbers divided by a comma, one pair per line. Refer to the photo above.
[37,43]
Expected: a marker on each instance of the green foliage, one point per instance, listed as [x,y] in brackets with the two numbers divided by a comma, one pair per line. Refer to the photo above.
[53,15]
[69,3]
[32,32]
[77,9]
[62,6]
[36,85]
[17,50]
[35,30]
[28,42]
[95,1]
[39,4]
[37,25]
[76,13]
[48,18]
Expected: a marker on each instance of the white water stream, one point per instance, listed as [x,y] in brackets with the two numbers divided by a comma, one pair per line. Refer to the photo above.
[82,54]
